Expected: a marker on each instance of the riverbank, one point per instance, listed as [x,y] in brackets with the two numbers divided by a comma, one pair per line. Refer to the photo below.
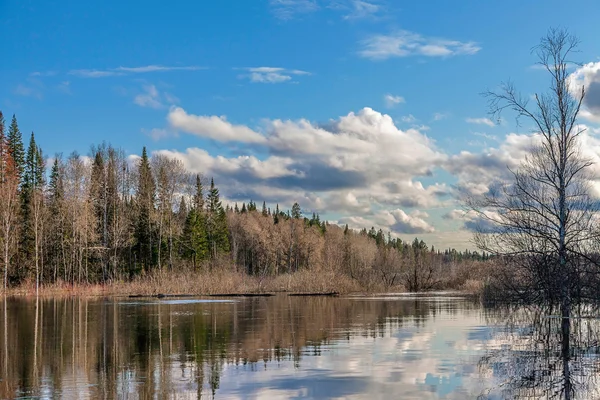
[219,282]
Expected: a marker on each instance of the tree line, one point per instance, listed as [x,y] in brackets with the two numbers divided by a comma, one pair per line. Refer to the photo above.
[103,218]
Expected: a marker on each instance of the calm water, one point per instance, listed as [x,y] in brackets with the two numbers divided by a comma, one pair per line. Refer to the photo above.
[428,347]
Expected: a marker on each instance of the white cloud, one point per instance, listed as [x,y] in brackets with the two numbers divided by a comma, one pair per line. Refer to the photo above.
[362,9]
[396,221]
[480,121]
[356,164]
[212,127]
[288,9]
[438,116]
[486,136]
[150,98]
[405,43]
[158,134]
[271,74]
[102,73]
[408,118]
[43,73]
[391,100]
[588,76]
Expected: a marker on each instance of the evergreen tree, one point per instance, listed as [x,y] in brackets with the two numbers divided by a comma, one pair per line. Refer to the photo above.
[31,205]
[3,150]
[216,227]
[195,238]
[276,215]
[56,197]
[346,229]
[296,211]
[236,209]
[264,209]
[15,144]
[244,208]
[145,196]
[199,195]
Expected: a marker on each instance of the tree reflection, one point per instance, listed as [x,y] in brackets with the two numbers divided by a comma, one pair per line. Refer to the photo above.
[92,348]
[540,354]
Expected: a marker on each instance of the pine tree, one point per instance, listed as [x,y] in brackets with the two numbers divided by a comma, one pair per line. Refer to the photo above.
[145,196]
[15,144]
[244,208]
[236,209]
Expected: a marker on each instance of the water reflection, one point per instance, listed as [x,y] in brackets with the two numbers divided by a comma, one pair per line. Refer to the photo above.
[286,347]
[539,354]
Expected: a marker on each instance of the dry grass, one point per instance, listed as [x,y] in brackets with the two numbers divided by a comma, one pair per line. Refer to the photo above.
[200,283]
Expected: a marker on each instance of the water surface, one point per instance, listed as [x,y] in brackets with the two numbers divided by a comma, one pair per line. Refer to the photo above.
[379,347]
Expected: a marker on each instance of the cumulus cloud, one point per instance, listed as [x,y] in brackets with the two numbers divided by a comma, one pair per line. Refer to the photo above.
[271,74]
[588,76]
[480,121]
[405,43]
[212,127]
[473,221]
[397,221]
[351,165]
[476,171]
[391,100]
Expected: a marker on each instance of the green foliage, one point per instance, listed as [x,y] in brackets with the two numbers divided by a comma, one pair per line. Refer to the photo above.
[195,238]
[15,144]
[296,211]
[145,197]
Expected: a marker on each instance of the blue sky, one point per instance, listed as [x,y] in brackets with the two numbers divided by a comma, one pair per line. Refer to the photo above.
[259,94]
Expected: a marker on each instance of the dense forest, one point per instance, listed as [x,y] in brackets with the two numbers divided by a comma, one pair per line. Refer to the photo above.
[103,218]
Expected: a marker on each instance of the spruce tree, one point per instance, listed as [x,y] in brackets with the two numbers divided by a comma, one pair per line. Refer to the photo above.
[276,215]
[296,211]
[3,149]
[15,144]
[218,235]
[145,195]
[264,210]
[199,195]
[195,239]
[31,205]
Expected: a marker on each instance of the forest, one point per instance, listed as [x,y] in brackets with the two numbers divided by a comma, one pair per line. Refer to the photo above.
[108,217]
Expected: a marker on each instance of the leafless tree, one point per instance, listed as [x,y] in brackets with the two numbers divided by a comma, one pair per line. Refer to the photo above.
[542,221]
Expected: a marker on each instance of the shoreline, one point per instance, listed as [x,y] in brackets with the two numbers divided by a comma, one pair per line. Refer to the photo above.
[225,284]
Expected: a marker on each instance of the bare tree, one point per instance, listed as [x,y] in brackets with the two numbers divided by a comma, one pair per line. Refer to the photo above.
[541,222]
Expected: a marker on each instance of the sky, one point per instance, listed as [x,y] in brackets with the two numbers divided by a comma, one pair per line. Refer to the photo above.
[369,112]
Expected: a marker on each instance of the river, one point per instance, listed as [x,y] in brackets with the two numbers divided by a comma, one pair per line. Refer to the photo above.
[435,346]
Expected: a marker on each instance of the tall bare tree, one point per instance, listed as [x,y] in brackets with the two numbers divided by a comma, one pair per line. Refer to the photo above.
[542,221]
